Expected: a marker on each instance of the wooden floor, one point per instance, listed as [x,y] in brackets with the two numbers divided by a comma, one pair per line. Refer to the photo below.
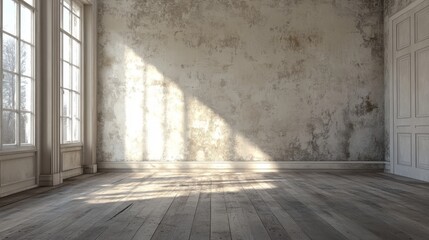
[288,205]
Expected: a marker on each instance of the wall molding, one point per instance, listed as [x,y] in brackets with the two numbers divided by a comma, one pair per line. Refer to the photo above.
[50,180]
[72,172]
[248,166]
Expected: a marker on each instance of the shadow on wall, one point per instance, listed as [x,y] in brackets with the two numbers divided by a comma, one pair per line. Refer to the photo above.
[250,88]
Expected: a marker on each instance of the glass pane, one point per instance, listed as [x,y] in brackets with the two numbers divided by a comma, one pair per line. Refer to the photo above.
[9,93]
[76,105]
[76,79]
[67,3]
[9,16]
[9,53]
[76,130]
[76,53]
[67,137]
[26,126]
[26,94]
[66,75]
[66,20]
[66,48]
[26,24]
[9,127]
[31,2]
[76,9]
[76,27]
[66,103]
[26,59]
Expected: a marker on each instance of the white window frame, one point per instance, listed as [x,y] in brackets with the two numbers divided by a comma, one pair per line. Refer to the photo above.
[81,71]
[18,111]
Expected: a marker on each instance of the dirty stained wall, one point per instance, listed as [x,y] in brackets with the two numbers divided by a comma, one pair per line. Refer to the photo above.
[220,80]
[390,8]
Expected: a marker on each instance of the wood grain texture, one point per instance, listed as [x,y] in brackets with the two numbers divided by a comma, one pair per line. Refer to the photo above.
[215,205]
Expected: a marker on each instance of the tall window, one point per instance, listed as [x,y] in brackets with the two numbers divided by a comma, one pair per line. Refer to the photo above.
[71,87]
[17,69]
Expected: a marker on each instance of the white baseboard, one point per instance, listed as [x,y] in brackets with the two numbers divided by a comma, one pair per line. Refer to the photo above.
[50,180]
[248,166]
[72,173]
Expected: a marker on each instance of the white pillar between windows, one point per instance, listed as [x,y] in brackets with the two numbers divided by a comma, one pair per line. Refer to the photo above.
[50,165]
[90,88]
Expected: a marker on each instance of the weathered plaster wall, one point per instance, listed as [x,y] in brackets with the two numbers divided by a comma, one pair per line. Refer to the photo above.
[240,80]
[390,8]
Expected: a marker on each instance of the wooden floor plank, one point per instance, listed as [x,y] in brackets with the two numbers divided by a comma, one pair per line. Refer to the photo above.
[294,231]
[180,208]
[219,222]
[339,200]
[215,205]
[312,224]
[268,219]
[201,224]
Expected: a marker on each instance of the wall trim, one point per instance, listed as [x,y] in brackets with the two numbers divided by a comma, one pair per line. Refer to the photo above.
[18,187]
[252,166]
[90,169]
[72,172]
[50,180]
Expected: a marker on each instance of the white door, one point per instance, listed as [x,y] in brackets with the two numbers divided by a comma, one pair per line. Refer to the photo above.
[411,93]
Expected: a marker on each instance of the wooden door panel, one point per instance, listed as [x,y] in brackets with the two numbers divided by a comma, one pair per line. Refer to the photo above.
[404,86]
[404,149]
[422,23]
[422,142]
[403,37]
[422,82]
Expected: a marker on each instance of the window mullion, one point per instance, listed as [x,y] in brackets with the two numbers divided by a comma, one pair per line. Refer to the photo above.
[18,87]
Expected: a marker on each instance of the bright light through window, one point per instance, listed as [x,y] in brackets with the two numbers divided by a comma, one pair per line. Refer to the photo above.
[17,68]
[71,91]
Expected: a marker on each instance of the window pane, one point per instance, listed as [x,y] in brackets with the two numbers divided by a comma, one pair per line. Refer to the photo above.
[76,79]
[76,53]
[76,105]
[26,59]
[66,48]
[9,93]
[76,9]
[66,75]
[26,125]
[26,94]
[76,130]
[9,16]
[67,3]
[76,27]
[66,103]
[67,137]
[8,127]
[31,2]
[9,53]
[26,24]
[66,20]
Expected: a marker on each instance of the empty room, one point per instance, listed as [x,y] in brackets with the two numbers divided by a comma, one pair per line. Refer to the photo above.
[214,119]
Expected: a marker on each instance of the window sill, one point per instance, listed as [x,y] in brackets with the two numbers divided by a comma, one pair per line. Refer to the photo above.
[71,145]
[11,151]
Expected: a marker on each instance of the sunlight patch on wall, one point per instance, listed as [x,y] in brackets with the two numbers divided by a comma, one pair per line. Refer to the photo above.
[163,123]
[134,108]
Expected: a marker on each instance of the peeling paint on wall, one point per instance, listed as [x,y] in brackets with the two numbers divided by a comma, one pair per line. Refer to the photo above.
[223,80]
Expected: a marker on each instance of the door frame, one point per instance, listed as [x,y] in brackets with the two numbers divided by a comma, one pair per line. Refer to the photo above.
[390,66]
